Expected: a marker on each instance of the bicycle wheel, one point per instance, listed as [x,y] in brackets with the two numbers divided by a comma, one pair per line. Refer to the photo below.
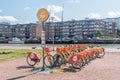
[31,62]
[87,59]
[84,62]
[77,65]
[59,60]
[100,55]
[49,61]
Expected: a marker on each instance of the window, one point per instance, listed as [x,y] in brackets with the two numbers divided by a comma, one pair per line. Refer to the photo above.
[6,26]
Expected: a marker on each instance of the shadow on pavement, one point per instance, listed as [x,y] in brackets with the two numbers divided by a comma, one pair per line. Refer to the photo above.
[70,69]
[15,78]
[23,67]
[34,71]
[19,77]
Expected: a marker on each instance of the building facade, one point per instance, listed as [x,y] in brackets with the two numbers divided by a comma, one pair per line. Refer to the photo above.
[117,23]
[5,30]
[38,31]
[115,20]
[66,30]
[24,30]
[21,31]
[79,28]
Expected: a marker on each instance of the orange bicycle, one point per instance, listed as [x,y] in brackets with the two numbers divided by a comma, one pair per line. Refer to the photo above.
[33,58]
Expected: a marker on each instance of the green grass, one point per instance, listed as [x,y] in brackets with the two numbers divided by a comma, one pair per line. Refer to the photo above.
[14,54]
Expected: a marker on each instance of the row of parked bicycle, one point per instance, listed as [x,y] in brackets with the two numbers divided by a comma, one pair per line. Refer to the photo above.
[76,55]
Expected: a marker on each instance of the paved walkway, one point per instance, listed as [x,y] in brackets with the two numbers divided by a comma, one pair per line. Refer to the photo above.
[112,50]
[107,68]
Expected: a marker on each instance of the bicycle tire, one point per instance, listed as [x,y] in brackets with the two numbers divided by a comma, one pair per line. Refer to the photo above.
[49,61]
[59,60]
[77,65]
[84,62]
[31,62]
[87,59]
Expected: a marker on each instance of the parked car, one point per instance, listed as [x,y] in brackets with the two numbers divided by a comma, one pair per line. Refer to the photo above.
[66,39]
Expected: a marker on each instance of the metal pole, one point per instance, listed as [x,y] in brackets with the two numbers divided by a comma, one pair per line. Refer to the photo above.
[43,45]
[42,16]
[53,32]
[43,67]
[53,38]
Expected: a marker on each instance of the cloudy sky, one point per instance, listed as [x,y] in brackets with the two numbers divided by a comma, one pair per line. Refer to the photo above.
[24,11]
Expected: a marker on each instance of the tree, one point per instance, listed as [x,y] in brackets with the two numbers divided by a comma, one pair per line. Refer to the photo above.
[118,32]
[99,33]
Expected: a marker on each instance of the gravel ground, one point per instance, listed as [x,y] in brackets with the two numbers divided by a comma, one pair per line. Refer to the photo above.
[107,68]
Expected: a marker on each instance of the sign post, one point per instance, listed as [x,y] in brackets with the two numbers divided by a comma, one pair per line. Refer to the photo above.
[42,16]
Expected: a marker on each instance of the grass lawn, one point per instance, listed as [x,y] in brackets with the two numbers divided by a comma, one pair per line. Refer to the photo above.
[14,54]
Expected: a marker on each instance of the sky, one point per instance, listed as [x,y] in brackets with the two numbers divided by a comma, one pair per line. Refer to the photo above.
[24,11]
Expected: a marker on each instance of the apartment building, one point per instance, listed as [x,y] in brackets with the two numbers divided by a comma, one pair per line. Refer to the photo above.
[38,31]
[117,23]
[79,28]
[5,30]
[115,20]
[21,31]
[59,30]
[24,30]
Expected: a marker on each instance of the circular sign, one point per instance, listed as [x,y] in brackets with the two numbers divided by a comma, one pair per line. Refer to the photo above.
[42,15]
[75,58]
